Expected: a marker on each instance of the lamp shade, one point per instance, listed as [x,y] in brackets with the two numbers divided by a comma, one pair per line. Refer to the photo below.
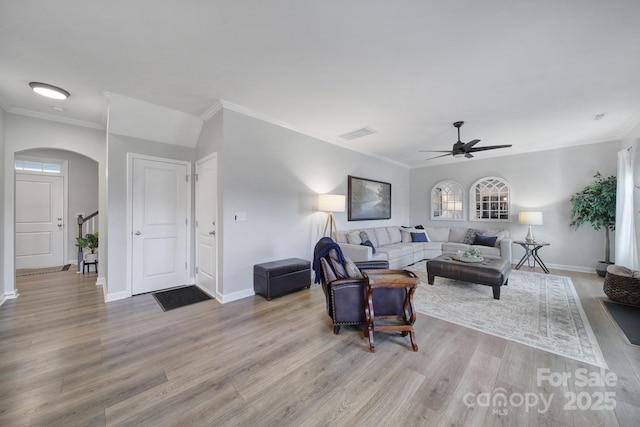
[530,218]
[331,202]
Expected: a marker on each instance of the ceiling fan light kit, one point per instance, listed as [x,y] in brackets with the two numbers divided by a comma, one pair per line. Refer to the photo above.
[462,149]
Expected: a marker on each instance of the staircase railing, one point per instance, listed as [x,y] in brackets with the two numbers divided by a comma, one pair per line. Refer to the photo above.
[86,225]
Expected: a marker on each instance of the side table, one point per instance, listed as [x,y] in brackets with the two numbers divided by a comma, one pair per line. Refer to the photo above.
[531,251]
[377,279]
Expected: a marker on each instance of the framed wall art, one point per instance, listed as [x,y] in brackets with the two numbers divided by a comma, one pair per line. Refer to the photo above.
[368,199]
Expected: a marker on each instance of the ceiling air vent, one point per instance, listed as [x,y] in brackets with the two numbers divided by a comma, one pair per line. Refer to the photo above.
[359,133]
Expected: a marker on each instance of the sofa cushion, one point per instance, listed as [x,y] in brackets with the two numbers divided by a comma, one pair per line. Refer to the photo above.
[396,250]
[450,247]
[457,234]
[485,240]
[438,234]
[382,236]
[394,234]
[353,237]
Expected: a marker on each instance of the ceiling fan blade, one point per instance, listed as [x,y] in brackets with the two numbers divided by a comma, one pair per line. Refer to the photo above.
[435,151]
[444,155]
[468,155]
[490,147]
[466,147]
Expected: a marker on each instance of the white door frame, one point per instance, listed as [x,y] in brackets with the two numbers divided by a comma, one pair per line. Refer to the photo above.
[130,158]
[215,215]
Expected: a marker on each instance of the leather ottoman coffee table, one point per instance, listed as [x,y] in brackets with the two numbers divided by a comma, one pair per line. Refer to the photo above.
[492,272]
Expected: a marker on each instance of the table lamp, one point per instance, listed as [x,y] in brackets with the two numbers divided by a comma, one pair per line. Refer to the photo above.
[530,218]
[331,203]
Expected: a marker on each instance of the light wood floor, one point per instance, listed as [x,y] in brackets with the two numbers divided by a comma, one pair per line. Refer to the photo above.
[67,359]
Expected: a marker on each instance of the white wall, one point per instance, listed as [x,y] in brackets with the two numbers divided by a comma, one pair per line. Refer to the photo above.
[119,146]
[274,176]
[542,181]
[82,179]
[26,133]
[3,202]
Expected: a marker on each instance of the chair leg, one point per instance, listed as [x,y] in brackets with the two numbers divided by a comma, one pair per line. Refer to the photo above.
[336,329]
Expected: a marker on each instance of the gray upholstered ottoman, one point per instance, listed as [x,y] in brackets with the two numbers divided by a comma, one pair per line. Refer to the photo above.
[492,272]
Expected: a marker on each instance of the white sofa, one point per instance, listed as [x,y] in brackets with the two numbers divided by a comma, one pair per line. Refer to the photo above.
[395,244]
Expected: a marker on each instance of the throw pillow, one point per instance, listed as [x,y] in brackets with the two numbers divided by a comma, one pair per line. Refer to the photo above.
[352,270]
[470,236]
[364,236]
[353,238]
[368,243]
[327,271]
[485,240]
[419,237]
[338,268]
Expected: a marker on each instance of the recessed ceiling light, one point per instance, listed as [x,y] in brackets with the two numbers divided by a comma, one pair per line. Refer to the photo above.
[49,91]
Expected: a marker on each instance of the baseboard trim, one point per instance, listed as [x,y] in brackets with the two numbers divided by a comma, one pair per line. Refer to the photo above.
[575,268]
[8,295]
[101,281]
[234,296]
[115,296]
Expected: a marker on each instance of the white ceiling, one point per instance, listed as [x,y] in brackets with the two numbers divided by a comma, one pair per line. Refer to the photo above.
[528,73]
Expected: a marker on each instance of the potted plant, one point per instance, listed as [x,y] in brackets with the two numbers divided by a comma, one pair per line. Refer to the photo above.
[90,242]
[596,205]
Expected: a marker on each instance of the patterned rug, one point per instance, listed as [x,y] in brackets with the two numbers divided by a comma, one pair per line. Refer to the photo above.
[32,271]
[539,310]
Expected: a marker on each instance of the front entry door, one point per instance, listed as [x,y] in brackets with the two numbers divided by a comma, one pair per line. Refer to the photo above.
[206,208]
[39,226]
[159,224]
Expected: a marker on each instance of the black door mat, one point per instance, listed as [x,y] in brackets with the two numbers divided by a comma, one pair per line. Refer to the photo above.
[180,297]
[628,319]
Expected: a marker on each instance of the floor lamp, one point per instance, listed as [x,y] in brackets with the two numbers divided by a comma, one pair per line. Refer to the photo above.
[530,218]
[331,203]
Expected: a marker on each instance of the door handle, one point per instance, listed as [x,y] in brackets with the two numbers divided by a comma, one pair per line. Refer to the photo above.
[137,233]
[212,233]
[59,225]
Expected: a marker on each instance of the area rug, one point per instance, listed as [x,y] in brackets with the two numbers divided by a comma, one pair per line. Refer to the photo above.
[539,310]
[180,297]
[32,271]
[626,318]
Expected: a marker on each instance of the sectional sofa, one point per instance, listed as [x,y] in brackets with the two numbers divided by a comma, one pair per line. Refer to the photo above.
[402,246]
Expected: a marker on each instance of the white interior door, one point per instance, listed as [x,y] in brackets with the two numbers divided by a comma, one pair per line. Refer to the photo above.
[206,227]
[159,224]
[39,221]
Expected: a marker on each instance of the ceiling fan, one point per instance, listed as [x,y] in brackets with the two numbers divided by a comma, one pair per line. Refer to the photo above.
[463,148]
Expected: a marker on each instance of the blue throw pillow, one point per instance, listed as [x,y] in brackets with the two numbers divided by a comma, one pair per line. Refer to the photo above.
[485,240]
[368,243]
[419,237]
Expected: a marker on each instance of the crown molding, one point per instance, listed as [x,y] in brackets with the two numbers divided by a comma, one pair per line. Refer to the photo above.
[212,111]
[222,104]
[51,117]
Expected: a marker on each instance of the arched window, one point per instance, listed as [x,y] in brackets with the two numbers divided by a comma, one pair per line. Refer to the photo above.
[447,201]
[490,199]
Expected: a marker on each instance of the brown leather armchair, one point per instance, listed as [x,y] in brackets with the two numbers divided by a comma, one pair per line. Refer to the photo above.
[345,297]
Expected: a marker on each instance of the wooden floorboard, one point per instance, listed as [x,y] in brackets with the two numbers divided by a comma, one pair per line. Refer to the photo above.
[67,358]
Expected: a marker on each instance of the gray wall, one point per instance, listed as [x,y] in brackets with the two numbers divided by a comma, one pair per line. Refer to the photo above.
[274,175]
[542,181]
[82,182]
[119,146]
